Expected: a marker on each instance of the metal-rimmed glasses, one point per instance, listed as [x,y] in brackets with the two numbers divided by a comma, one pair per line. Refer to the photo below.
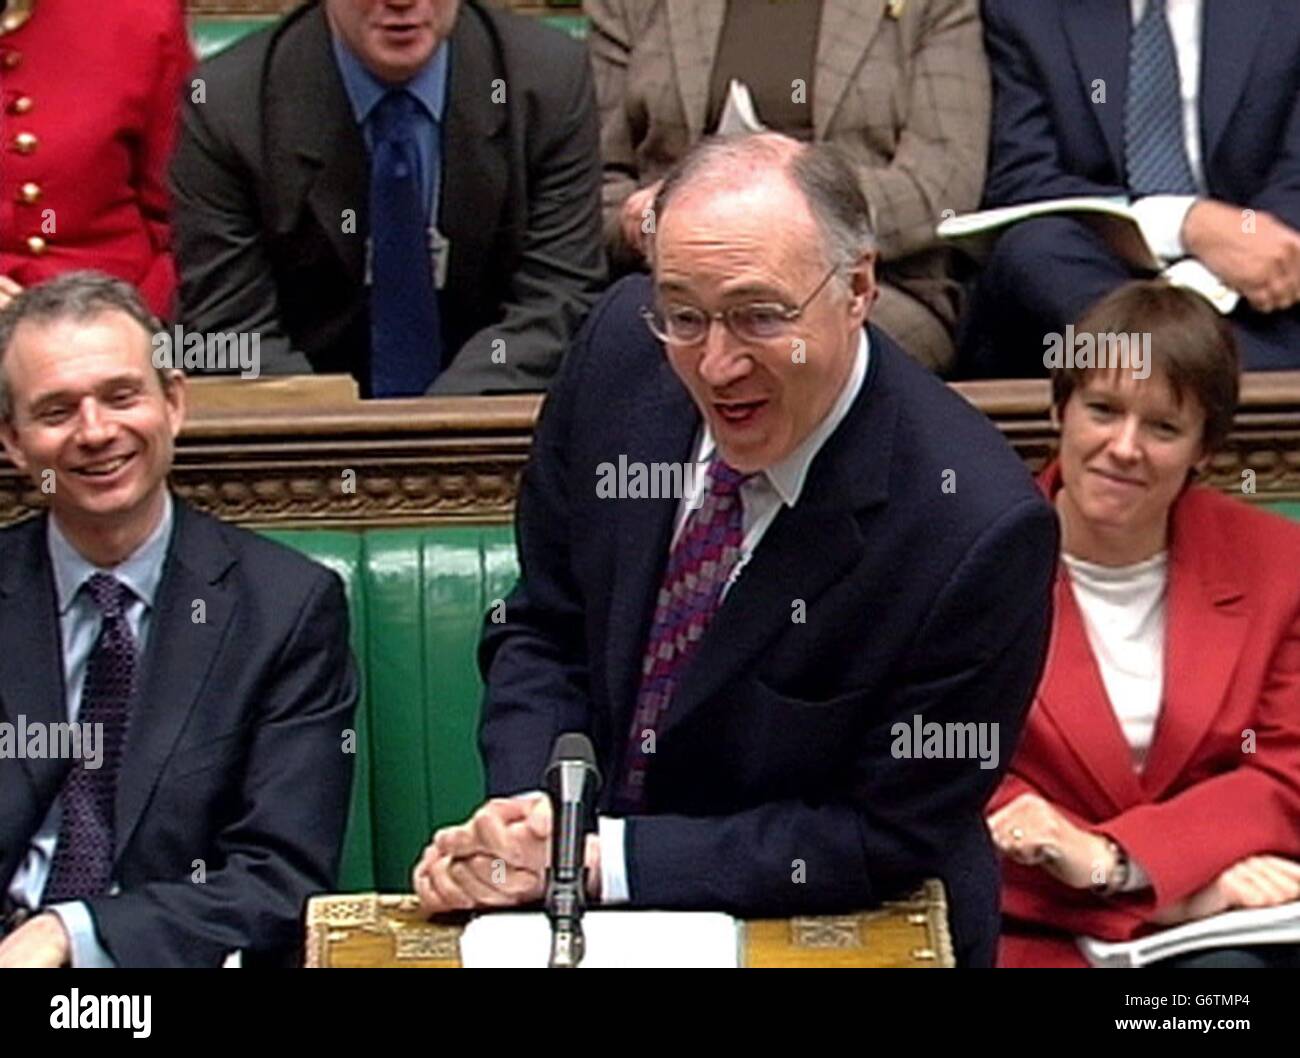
[752,321]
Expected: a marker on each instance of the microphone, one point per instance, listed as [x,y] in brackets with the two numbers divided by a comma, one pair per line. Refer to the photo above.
[572,781]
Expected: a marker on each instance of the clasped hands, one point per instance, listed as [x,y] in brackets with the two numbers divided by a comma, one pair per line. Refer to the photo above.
[496,858]
[1031,831]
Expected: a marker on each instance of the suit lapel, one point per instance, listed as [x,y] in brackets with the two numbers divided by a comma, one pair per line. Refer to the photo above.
[693,32]
[475,167]
[176,661]
[1074,699]
[31,679]
[847,30]
[315,153]
[1206,627]
[848,475]
[1229,43]
[661,428]
[1099,32]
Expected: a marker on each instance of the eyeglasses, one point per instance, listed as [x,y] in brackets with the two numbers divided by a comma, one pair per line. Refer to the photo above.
[754,321]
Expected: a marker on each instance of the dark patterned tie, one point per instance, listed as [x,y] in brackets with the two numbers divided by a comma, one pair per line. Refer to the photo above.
[83,857]
[405,324]
[698,569]
[1154,142]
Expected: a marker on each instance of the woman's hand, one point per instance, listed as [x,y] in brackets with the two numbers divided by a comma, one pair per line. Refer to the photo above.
[1031,831]
[1256,881]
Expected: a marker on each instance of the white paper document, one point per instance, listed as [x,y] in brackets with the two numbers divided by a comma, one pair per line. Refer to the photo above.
[1265,925]
[738,115]
[615,939]
[1113,218]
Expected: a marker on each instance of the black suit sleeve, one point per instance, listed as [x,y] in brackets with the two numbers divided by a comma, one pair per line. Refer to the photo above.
[977,660]
[1024,157]
[534,662]
[226,282]
[283,844]
[561,267]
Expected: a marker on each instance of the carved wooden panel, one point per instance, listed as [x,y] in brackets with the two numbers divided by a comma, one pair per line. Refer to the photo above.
[458,459]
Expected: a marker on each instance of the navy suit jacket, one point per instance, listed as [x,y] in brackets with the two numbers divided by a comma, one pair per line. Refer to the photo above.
[1051,140]
[233,753]
[773,789]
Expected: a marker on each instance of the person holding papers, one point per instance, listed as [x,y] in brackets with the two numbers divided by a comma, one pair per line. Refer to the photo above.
[1188,108]
[902,86]
[750,652]
[1158,779]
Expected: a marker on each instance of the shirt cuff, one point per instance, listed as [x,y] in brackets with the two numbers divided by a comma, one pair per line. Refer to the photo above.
[87,953]
[1160,218]
[613,860]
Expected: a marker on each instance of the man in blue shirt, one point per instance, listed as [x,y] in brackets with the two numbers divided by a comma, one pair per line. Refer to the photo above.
[404,190]
[204,670]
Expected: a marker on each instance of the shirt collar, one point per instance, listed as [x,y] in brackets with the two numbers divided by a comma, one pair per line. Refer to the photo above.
[140,571]
[365,90]
[788,475]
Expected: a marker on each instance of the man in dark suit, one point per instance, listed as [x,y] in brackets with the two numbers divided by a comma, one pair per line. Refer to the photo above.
[1190,108]
[204,670]
[750,652]
[406,190]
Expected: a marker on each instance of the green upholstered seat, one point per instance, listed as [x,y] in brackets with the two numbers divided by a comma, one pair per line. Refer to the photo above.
[213,33]
[417,600]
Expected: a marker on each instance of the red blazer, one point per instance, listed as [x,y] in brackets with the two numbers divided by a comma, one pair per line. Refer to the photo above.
[1232,664]
[98,87]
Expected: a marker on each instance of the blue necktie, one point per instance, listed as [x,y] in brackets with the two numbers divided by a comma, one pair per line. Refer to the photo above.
[405,326]
[83,854]
[1154,143]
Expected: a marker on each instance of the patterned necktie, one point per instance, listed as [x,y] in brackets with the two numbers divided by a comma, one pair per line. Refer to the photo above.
[405,323]
[1154,142]
[83,856]
[699,566]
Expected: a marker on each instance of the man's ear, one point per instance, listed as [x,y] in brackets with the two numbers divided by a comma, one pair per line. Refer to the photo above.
[862,283]
[9,438]
[176,396]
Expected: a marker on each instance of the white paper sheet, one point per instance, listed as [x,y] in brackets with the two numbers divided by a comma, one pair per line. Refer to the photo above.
[661,939]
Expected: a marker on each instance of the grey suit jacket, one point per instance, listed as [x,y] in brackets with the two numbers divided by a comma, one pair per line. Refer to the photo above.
[902,88]
[271,185]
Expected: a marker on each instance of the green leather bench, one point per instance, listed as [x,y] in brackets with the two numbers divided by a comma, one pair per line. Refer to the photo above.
[213,33]
[417,599]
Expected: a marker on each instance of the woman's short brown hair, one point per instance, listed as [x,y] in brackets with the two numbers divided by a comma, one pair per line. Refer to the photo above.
[1192,346]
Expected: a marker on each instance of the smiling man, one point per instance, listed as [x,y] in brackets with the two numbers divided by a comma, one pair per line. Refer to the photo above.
[215,665]
[863,549]
[403,190]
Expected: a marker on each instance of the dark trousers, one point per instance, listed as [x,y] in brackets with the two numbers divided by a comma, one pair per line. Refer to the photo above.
[1045,273]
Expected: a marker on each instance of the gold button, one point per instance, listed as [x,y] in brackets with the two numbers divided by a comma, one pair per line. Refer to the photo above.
[25,142]
[36,245]
[29,193]
[11,59]
[21,105]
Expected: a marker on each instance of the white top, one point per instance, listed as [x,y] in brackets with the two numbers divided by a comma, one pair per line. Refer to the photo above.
[1123,611]
[1161,216]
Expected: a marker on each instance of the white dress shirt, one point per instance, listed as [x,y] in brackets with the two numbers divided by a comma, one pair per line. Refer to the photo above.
[762,498]
[1161,216]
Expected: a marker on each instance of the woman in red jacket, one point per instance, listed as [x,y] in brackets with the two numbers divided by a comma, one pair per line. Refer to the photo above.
[1158,776]
[89,95]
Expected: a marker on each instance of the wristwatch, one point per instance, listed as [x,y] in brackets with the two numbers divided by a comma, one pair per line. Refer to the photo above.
[1117,877]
